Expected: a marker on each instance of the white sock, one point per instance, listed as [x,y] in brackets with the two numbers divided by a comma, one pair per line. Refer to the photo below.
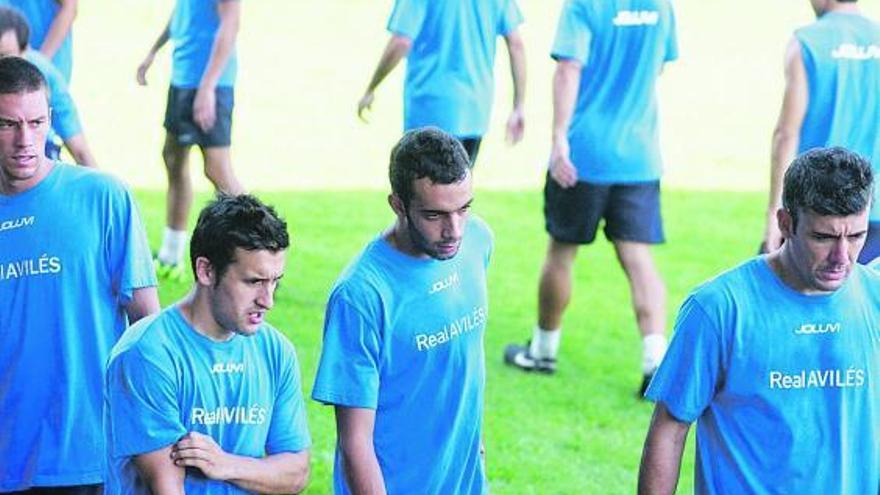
[173,246]
[653,350]
[545,343]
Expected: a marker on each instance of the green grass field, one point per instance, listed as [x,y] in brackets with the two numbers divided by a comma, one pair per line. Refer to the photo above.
[303,65]
[577,432]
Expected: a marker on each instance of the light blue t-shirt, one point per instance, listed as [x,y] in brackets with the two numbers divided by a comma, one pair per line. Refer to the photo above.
[40,14]
[841,54]
[164,379]
[404,336]
[622,45]
[72,250]
[449,70]
[194,25]
[65,119]
[785,387]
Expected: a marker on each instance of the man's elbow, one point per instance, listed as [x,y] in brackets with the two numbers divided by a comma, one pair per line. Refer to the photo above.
[401,44]
[300,481]
[515,43]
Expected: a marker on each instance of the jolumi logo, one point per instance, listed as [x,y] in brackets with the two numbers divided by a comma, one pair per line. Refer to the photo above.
[17,223]
[636,18]
[817,328]
[444,284]
[850,51]
[227,368]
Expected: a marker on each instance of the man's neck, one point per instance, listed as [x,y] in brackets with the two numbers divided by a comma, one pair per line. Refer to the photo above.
[843,8]
[196,310]
[13,187]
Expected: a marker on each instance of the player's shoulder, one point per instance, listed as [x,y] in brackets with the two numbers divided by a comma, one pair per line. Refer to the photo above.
[90,180]
[868,276]
[149,336]
[733,283]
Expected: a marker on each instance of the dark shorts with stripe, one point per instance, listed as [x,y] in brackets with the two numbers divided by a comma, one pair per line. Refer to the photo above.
[179,118]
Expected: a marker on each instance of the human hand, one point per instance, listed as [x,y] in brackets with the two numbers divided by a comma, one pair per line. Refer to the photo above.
[515,126]
[561,168]
[143,68]
[365,104]
[201,451]
[205,108]
[772,235]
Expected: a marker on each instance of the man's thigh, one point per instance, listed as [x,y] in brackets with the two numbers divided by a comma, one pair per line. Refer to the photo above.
[632,213]
[179,118]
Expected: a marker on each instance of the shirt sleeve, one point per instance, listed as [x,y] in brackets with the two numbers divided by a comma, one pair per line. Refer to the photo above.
[127,250]
[407,17]
[348,372]
[511,18]
[142,410]
[573,35]
[672,39]
[65,119]
[691,372]
[289,430]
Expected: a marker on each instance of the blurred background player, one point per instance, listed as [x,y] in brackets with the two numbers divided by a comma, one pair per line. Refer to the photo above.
[51,23]
[199,111]
[75,270]
[832,98]
[450,50]
[66,126]
[605,164]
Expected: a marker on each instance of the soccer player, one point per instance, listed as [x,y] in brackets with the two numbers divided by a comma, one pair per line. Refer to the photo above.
[50,22]
[832,98]
[605,164]
[75,269]
[403,360]
[450,50]
[205,397]
[778,359]
[14,35]
[199,111]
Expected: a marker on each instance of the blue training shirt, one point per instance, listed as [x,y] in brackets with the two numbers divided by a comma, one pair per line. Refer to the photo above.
[449,70]
[786,400]
[65,119]
[194,25]
[841,55]
[165,379]
[72,250]
[622,45]
[404,336]
[40,14]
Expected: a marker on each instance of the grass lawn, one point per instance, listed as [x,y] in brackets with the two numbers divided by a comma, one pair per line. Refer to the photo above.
[580,431]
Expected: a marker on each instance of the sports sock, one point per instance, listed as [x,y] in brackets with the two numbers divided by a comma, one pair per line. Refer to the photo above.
[173,246]
[545,343]
[653,350]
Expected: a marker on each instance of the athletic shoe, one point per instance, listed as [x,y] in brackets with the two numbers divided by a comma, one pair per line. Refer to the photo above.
[646,380]
[519,356]
[171,272]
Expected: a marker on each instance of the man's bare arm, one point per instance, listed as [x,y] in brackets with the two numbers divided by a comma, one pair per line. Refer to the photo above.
[661,457]
[80,151]
[144,301]
[151,55]
[397,48]
[59,28]
[786,136]
[159,473]
[354,429]
[517,53]
[566,83]
[205,102]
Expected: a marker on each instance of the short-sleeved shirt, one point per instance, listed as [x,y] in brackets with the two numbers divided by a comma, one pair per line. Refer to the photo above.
[622,46]
[449,69]
[404,336]
[65,119]
[164,379]
[784,387]
[40,15]
[841,55]
[72,251]
[193,28]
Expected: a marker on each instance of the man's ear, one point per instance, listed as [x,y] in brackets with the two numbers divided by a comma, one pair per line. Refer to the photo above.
[205,273]
[397,205]
[786,223]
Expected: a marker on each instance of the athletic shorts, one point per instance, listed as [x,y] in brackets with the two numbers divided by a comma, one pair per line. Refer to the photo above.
[179,118]
[62,490]
[472,146]
[871,250]
[631,212]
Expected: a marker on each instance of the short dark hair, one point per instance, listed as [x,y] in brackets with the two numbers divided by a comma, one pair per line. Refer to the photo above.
[426,152]
[230,222]
[13,20]
[17,76]
[828,181]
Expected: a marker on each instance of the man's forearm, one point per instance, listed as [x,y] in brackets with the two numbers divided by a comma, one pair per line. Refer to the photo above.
[661,458]
[59,28]
[221,50]
[362,472]
[396,49]
[783,151]
[565,89]
[80,151]
[517,54]
[279,473]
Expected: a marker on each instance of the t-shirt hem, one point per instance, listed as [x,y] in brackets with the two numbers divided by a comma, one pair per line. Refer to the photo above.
[334,399]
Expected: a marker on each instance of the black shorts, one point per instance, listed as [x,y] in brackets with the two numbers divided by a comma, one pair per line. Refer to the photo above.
[631,212]
[62,490]
[871,250]
[472,146]
[179,118]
